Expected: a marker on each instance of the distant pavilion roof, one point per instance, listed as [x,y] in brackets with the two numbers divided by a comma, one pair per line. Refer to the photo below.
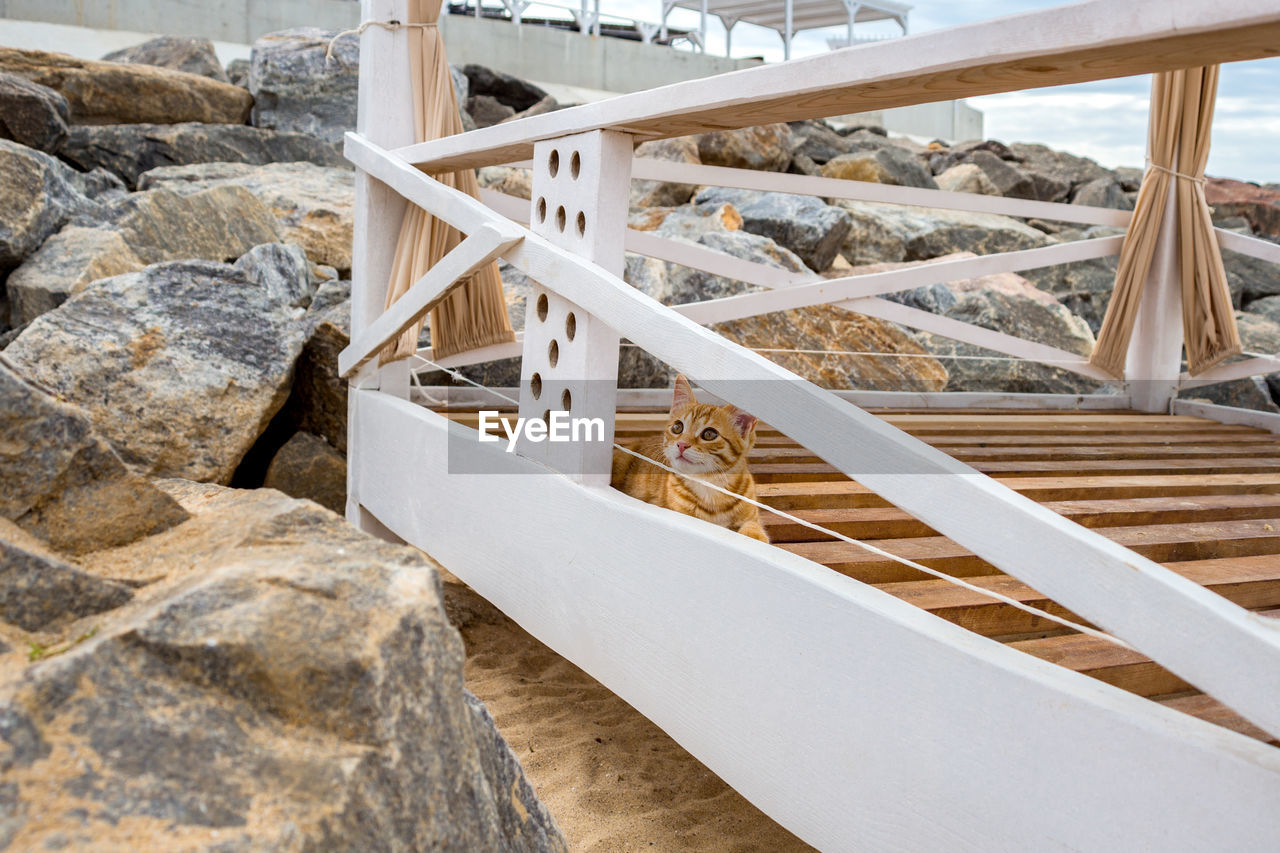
[789,17]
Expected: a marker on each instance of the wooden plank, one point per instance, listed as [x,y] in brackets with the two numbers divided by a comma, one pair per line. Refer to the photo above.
[1073,44]
[1105,661]
[1166,543]
[1024,453]
[835,768]
[1211,710]
[778,472]
[452,271]
[892,523]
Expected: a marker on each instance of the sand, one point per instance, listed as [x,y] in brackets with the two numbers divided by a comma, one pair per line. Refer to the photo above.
[613,780]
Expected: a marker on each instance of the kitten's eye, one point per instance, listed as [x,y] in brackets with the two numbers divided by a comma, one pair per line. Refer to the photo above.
[677,427]
[709,434]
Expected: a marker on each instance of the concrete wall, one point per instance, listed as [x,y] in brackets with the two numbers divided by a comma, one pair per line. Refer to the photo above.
[954,121]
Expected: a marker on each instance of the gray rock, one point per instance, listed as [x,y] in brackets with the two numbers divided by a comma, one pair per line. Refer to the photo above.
[192,55]
[1257,334]
[944,158]
[486,110]
[885,165]
[129,150]
[681,149]
[238,72]
[507,180]
[180,366]
[32,115]
[63,483]
[282,270]
[461,86]
[125,93]
[812,229]
[314,205]
[1102,192]
[38,589]
[934,298]
[65,265]
[1249,278]
[546,105]
[882,232]
[37,197]
[766,147]
[816,140]
[287,683]
[318,401]
[1058,166]
[1267,307]
[688,222]
[1009,180]
[672,284]
[295,89]
[510,91]
[308,467]
[966,178]
[1084,287]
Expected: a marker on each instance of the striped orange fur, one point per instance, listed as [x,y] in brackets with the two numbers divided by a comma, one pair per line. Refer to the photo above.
[707,442]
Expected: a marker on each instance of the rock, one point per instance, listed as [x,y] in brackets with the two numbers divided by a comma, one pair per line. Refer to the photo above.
[1250,278]
[672,284]
[486,110]
[295,89]
[966,178]
[507,180]
[883,232]
[546,105]
[192,55]
[130,150]
[1040,320]
[816,140]
[318,401]
[767,147]
[123,93]
[281,681]
[510,91]
[307,467]
[1257,334]
[32,115]
[218,224]
[1057,167]
[1129,177]
[681,149]
[1102,192]
[1259,205]
[314,205]
[1009,180]
[180,366]
[1267,307]
[687,222]
[282,270]
[63,483]
[37,197]
[806,225]
[238,72]
[1084,287]
[38,589]
[943,157]
[65,265]
[461,86]
[885,165]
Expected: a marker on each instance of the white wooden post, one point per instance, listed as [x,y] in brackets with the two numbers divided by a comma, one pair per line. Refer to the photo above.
[581,185]
[385,116]
[1154,360]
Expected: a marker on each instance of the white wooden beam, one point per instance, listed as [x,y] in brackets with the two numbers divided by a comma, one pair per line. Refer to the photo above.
[452,271]
[1093,40]
[1269,421]
[1251,246]
[1232,370]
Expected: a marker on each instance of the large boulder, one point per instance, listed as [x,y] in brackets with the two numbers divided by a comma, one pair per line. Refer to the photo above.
[486,110]
[1259,205]
[296,88]
[39,589]
[280,681]
[887,164]
[124,93]
[63,483]
[812,229]
[766,147]
[65,265]
[318,401]
[32,115]
[886,232]
[508,180]
[681,149]
[512,92]
[966,178]
[1009,180]
[1058,173]
[282,270]
[315,205]
[180,366]
[818,141]
[129,150]
[181,53]
[1259,334]
[37,197]
[1102,192]
[308,467]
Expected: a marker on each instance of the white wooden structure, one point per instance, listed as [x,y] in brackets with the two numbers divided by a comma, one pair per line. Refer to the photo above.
[852,717]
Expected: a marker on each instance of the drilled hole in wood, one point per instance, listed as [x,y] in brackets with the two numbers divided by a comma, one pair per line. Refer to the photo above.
[570,326]
[575,165]
[582,223]
[542,307]
[546,417]
[560,219]
[553,352]
[566,400]
[535,385]
[542,210]
[553,162]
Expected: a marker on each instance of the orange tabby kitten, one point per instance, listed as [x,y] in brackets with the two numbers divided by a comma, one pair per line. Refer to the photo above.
[707,442]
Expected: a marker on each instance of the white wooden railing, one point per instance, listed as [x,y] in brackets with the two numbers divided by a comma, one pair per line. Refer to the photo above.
[582,168]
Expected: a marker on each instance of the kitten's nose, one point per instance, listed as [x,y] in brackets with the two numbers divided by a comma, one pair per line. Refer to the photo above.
[682,446]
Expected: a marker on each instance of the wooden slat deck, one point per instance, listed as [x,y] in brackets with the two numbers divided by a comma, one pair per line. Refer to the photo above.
[1200,497]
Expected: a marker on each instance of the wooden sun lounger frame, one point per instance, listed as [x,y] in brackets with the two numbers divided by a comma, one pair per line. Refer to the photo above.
[856,720]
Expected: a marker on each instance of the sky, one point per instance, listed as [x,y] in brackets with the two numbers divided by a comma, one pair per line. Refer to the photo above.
[1106,120]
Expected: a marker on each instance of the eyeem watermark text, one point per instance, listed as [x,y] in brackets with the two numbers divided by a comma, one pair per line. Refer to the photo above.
[560,427]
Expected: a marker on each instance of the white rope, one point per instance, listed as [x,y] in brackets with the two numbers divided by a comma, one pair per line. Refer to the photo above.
[1199,179]
[359,31]
[1012,602]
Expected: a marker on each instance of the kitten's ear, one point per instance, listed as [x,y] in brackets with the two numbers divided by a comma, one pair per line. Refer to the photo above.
[684,393]
[744,422]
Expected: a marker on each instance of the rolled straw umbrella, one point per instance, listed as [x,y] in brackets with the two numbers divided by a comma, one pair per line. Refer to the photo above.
[1181,119]
[474,315]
